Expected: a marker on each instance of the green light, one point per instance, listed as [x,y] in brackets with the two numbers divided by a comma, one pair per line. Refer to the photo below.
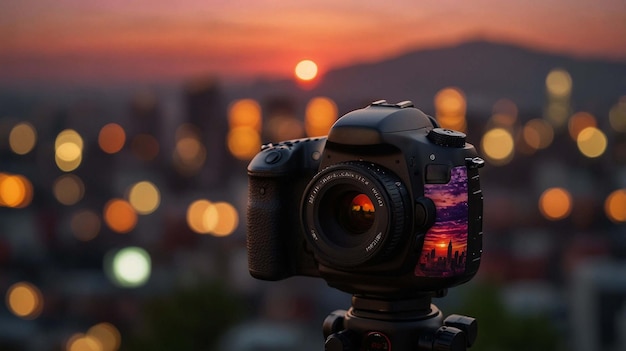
[129,267]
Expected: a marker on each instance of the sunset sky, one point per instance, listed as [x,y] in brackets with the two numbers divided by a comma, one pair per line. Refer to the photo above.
[127,40]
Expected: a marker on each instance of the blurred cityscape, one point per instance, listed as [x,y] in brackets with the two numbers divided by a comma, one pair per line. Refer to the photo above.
[122,217]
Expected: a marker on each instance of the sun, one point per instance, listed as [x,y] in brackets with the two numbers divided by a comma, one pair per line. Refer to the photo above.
[306,70]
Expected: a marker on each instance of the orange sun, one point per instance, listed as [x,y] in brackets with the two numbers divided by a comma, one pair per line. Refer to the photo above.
[306,70]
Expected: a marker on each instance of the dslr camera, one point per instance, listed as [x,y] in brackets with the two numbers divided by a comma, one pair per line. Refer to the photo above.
[388,204]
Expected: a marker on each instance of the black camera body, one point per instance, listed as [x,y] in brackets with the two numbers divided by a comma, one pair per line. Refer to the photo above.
[388,204]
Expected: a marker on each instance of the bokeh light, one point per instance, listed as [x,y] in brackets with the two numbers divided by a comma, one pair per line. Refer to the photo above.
[450,108]
[320,114]
[111,138]
[107,334]
[538,134]
[15,190]
[580,121]
[24,300]
[189,152]
[306,70]
[555,203]
[591,142]
[245,113]
[504,113]
[22,138]
[68,189]
[218,219]
[559,83]
[284,127]
[68,148]
[144,197]
[129,267]
[617,115]
[85,225]
[498,146]
[82,342]
[145,147]
[615,206]
[243,142]
[120,216]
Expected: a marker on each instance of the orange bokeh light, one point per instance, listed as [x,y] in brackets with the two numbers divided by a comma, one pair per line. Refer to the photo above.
[555,203]
[615,206]
[120,216]
[15,190]
[579,121]
[111,138]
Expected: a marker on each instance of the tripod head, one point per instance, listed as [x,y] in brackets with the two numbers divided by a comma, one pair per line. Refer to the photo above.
[374,324]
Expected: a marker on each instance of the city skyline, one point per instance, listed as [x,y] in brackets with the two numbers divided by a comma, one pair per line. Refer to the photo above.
[74,41]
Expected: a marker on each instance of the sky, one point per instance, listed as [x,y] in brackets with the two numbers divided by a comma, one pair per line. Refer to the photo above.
[157,40]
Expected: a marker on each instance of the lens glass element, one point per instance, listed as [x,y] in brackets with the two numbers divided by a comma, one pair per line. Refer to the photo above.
[357,213]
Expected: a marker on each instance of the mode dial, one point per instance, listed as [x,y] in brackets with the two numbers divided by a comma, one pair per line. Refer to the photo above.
[447,137]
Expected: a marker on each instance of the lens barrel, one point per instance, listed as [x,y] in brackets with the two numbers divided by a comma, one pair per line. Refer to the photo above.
[354,213]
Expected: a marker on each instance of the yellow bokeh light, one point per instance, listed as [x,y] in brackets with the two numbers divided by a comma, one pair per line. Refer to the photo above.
[498,146]
[144,197]
[557,112]
[221,219]
[580,121]
[245,113]
[450,108]
[15,190]
[68,149]
[320,114]
[615,206]
[198,218]
[22,138]
[111,138]
[538,134]
[108,336]
[555,203]
[591,142]
[85,225]
[559,83]
[24,300]
[82,342]
[120,216]
[306,70]
[244,142]
[617,115]
[68,189]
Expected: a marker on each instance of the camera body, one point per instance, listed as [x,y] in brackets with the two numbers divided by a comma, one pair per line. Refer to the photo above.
[388,204]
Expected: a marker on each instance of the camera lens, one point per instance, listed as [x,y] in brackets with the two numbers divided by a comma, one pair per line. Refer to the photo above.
[357,213]
[354,212]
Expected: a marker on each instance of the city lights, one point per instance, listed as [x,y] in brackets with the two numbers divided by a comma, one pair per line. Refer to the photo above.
[15,190]
[615,206]
[555,203]
[306,70]
[498,146]
[111,138]
[450,106]
[82,342]
[189,152]
[243,143]
[218,219]
[107,334]
[68,148]
[144,197]
[24,300]
[129,267]
[245,123]
[580,121]
[321,113]
[22,138]
[245,113]
[559,83]
[120,216]
[591,142]
[504,113]
[538,134]
[68,189]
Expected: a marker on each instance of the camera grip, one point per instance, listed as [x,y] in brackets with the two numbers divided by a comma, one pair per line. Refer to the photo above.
[267,219]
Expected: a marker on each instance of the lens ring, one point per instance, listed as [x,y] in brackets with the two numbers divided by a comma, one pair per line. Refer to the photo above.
[344,237]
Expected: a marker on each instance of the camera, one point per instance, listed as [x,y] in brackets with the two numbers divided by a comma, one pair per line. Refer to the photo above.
[388,204]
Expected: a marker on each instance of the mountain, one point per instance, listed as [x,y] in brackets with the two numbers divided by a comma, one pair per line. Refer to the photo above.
[484,71]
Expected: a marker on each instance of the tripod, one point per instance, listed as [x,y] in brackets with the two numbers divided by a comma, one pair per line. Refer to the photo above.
[373,324]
